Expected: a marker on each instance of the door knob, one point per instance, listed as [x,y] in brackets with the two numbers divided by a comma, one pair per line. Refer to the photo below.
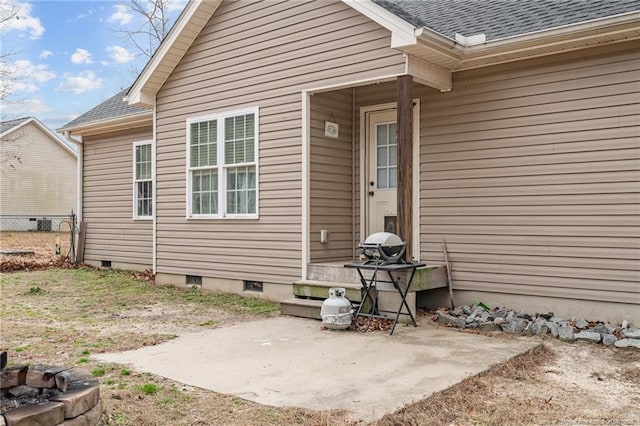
[372,183]
[371,193]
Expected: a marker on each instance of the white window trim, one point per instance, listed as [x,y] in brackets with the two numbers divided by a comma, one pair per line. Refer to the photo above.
[221,167]
[135,181]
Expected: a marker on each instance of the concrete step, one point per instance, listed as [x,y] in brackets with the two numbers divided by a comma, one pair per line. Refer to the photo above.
[305,308]
[332,272]
[317,289]
[429,277]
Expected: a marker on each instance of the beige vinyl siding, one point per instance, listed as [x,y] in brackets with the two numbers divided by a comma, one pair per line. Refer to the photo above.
[43,182]
[257,54]
[531,172]
[331,177]
[112,234]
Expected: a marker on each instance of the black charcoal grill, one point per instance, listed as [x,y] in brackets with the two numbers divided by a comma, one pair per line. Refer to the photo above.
[383,248]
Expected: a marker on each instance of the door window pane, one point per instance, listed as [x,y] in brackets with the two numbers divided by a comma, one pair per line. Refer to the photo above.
[386,154]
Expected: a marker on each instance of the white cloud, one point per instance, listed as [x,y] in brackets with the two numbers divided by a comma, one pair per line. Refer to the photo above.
[22,21]
[81,56]
[120,54]
[104,63]
[79,83]
[25,77]
[173,5]
[122,15]
[45,54]
[10,87]
[33,106]
[39,73]
[86,15]
[27,107]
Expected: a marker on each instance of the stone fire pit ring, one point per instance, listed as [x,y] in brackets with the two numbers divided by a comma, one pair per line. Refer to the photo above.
[49,395]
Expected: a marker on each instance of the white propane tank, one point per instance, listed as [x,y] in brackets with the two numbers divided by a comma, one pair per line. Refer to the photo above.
[336,311]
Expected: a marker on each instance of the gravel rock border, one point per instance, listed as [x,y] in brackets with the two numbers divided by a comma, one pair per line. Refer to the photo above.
[480,316]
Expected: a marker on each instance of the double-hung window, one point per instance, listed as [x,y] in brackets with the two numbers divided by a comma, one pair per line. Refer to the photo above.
[143,180]
[222,163]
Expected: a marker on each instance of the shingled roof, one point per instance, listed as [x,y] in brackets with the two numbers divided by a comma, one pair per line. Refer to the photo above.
[10,124]
[502,18]
[113,107]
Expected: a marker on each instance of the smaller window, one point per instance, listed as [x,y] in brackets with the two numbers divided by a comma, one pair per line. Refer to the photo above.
[143,180]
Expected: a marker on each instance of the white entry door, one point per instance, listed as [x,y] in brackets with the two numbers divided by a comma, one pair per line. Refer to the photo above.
[382,179]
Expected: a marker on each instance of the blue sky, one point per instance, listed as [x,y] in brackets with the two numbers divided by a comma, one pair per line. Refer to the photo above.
[66,57]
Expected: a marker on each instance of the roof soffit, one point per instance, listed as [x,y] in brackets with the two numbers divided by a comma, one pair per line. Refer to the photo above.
[188,26]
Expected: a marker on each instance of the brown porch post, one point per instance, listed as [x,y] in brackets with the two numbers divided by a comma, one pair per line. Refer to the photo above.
[405,161]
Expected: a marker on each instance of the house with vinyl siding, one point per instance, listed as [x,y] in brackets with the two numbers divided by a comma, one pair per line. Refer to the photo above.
[35,194]
[279,134]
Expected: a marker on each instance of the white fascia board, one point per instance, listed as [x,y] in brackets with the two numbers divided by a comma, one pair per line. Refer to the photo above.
[141,92]
[402,32]
[538,43]
[576,28]
[120,123]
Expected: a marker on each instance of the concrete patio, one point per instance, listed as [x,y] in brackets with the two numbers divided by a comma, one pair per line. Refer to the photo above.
[288,361]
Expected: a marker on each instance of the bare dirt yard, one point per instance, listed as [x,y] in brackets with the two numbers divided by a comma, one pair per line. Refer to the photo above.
[39,249]
[63,316]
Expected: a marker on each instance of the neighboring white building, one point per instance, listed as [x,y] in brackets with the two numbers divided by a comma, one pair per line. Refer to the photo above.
[37,176]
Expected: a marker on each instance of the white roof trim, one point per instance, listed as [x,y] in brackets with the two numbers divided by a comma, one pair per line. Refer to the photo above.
[455,56]
[124,122]
[616,28]
[45,130]
[143,91]
[402,32]
[572,28]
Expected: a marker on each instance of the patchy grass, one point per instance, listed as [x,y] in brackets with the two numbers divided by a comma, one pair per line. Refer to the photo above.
[94,294]
[231,302]
[475,400]
[148,388]
[98,372]
[550,384]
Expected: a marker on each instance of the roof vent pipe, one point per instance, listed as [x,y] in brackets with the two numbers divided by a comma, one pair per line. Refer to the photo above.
[471,40]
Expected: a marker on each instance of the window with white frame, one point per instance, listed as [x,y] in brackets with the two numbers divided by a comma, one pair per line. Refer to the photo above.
[143,180]
[222,165]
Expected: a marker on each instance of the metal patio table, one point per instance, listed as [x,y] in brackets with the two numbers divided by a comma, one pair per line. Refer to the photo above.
[372,283]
